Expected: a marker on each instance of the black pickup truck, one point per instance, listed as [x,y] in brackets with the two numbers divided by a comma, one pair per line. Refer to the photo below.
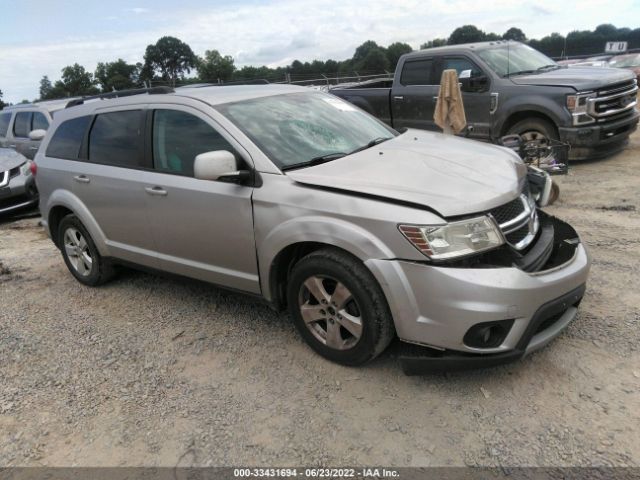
[509,88]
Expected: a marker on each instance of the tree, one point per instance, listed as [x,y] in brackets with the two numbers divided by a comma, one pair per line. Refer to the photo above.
[76,81]
[2,104]
[515,34]
[213,67]
[171,58]
[118,75]
[466,34]
[375,61]
[363,50]
[395,51]
[436,42]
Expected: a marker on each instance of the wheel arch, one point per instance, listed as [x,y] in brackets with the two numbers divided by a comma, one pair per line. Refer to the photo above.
[516,117]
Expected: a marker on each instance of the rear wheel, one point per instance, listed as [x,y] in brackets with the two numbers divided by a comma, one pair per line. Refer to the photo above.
[338,307]
[80,253]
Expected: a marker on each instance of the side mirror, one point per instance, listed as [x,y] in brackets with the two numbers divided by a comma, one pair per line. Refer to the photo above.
[37,135]
[474,84]
[219,165]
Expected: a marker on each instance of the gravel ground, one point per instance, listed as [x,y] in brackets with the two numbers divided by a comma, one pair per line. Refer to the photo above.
[162,371]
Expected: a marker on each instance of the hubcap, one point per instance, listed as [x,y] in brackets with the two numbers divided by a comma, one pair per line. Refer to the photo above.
[77,251]
[330,312]
[535,138]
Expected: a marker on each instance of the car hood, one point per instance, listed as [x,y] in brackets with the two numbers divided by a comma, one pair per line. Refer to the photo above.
[10,159]
[579,78]
[451,175]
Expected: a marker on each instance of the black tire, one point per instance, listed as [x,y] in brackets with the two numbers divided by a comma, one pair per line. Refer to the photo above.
[377,328]
[100,270]
[534,125]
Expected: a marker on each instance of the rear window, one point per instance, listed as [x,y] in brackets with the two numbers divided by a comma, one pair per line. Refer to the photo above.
[116,139]
[67,138]
[40,122]
[4,123]
[22,124]
[417,72]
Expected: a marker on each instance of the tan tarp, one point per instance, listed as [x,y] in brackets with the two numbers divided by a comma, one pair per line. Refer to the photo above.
[449,114]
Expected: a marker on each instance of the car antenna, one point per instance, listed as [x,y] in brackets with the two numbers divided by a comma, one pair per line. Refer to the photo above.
[508,57]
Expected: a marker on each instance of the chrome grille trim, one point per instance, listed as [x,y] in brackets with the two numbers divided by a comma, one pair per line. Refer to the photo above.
[614,99]
[528,218]
[4,178]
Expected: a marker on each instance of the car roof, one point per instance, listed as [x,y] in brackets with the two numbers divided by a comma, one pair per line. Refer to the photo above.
[48,105]
[462,46]
[212,95]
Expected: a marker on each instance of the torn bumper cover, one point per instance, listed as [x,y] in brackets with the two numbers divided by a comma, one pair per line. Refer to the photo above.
[493,310]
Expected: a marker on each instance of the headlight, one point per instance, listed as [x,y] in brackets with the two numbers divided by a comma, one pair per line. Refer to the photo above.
[577,105]
[25,168]
[455,239]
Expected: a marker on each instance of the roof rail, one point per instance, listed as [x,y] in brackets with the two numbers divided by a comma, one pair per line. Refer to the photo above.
[256,81]
[121,93]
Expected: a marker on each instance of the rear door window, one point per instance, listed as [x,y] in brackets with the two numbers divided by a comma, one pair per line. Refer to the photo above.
[116,138]
[40,122]
[178,137]
[5,118]
[22,124]
[67,139]
[417,72]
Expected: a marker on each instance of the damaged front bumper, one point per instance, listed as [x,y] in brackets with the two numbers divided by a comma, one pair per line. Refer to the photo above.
[438,309]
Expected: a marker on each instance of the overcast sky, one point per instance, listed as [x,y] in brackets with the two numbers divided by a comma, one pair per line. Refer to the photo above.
[40,37]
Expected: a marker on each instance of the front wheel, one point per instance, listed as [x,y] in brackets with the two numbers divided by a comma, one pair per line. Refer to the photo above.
[339,308]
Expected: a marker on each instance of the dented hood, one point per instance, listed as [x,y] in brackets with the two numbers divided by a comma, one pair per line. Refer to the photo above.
[451,175]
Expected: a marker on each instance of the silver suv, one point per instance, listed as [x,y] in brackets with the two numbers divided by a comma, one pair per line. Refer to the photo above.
[363,233]
[22,127]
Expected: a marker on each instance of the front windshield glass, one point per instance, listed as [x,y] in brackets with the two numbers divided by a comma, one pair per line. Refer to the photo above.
[295,128]
[627,61]
[514,58]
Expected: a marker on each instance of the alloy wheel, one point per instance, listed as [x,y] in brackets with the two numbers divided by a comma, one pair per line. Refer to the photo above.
[77,251]
[330,312]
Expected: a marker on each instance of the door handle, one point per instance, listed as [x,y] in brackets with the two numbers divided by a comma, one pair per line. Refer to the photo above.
[33,148]
[435,99]
[81,179]
[398,97]
[156,191]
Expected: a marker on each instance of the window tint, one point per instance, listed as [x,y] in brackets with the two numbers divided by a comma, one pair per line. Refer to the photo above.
[22,124]
[178,137]
[4,123]
[417,72]
[67,138]
[40,122]
[116,139]
[460,65]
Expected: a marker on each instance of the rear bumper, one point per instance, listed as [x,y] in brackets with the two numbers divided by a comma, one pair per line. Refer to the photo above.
[595,141]
[545,325]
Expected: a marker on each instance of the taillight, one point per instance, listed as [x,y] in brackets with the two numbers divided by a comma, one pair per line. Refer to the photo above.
[34,168]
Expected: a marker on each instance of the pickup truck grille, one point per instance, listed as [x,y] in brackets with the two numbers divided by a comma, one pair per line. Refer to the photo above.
[518,221]
[614,101]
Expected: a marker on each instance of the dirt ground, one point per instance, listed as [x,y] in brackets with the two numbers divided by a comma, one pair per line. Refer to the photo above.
[162,372]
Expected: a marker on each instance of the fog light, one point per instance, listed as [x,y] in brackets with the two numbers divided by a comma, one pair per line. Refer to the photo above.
[488,334]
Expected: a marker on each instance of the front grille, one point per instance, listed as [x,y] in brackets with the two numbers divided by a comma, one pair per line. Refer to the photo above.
[507,212]
[613,100]
[518,221]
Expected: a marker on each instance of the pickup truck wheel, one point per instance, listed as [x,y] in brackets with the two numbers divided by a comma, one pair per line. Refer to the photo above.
[80,253]
[339,308]
[535,130]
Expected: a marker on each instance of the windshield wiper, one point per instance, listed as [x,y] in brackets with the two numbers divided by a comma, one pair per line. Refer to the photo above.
[521,72]
[316,161]
[548,67]
[372,143]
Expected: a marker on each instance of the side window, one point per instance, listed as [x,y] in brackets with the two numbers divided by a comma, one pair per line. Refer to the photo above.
[460,65]
[67,138]
[116,138]
[417,72]
[178,137]
[5,118]
[40,122]
[22,124]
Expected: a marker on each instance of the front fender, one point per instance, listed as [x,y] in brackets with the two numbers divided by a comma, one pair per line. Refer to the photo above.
[317,229]
[65,198]
[540,105]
